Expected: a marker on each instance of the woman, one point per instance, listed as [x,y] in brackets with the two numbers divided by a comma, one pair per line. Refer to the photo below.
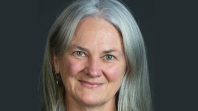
[95,60]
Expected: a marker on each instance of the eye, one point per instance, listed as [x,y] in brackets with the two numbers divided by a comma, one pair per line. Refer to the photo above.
[79,53]
[109,57]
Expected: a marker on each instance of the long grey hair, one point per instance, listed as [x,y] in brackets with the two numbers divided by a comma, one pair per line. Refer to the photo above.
[134,93]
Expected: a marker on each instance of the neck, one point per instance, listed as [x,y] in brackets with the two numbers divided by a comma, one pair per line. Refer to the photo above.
[73,105]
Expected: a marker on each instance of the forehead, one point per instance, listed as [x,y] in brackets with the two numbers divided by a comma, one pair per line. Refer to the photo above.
[94,31]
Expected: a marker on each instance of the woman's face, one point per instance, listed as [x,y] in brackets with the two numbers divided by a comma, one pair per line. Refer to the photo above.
[94,65]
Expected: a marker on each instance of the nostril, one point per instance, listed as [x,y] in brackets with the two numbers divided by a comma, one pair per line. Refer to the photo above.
[93,68]
[93,71]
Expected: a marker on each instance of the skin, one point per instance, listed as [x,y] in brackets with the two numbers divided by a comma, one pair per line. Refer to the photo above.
[96,55]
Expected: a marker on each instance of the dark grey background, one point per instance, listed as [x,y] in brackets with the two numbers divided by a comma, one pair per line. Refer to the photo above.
[143,10]
[22,46]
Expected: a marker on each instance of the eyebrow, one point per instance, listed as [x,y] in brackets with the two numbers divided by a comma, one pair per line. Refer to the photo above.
[109,51]
[85,49]
[82,48]
[79,47]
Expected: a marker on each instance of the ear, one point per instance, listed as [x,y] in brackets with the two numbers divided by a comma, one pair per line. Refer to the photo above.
[56,64]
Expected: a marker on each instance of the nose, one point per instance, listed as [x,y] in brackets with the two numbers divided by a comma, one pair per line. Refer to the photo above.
[93,68]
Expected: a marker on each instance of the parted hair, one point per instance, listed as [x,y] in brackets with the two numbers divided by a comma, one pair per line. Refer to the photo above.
[134,92]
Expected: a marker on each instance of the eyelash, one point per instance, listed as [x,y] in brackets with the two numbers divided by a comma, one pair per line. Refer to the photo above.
[112,57]
[77,53]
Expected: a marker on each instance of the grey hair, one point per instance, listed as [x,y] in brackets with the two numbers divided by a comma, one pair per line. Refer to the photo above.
[134,93]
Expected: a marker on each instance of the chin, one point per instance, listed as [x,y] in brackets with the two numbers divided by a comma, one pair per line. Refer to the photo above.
[90,100]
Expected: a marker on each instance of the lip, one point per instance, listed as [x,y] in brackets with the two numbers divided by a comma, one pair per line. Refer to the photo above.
[90,84]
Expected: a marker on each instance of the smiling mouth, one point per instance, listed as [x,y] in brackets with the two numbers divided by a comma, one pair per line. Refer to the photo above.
[90,84]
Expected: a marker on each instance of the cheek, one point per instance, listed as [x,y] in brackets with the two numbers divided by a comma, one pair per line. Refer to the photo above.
[114,73]
[72,67]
